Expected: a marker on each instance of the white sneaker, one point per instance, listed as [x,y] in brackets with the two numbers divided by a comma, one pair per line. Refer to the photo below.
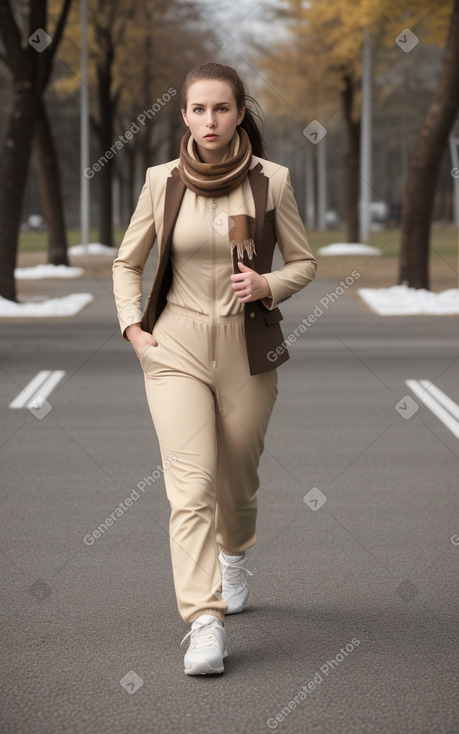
[235,589]
[207,646]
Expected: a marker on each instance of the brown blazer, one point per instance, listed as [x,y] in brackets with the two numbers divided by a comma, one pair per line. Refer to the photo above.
[262,318]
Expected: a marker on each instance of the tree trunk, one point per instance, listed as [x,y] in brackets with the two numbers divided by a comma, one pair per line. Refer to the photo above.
[50,189]
[105,129]
[14,166]
[352,177]
[425,165]
[128,180]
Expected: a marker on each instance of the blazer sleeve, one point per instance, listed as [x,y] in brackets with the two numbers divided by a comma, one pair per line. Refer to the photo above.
[300,265]
[132,255]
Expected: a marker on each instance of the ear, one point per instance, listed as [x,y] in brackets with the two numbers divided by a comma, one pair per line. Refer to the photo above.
[184,117]
[241,115]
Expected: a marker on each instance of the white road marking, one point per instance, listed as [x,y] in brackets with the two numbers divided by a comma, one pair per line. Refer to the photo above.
[440,404]
[441,398]
[30,390]
[42,384]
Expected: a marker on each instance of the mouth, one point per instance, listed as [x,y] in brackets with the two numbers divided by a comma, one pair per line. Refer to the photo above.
[210,136]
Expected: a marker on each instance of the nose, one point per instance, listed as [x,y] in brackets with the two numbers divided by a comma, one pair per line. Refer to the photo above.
[210,119]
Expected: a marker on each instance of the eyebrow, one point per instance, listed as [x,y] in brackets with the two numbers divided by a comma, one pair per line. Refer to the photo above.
[201,104]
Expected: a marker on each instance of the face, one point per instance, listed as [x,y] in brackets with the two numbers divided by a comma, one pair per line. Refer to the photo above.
[212,116]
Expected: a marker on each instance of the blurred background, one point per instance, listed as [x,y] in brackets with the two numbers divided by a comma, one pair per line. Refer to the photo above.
[377,84]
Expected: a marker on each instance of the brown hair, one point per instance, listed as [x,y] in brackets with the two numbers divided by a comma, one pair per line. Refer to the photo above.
[224,73]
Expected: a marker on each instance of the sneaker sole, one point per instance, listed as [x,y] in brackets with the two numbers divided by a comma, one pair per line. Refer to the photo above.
[205,668]
[236,610]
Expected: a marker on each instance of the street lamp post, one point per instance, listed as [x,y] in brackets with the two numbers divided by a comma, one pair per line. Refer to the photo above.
[321,184]
[84,127]
[454,149]
[365,144]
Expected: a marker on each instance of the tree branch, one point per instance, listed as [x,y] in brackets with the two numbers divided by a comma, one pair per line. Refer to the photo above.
[10,35]
[58,31]
[95,125]
[38,13]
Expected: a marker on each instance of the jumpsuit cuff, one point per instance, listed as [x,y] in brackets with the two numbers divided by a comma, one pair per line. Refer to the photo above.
[129,316]
[215,612]
[271,301]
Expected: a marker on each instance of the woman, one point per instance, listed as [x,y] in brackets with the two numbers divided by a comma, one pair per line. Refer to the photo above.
[209,341]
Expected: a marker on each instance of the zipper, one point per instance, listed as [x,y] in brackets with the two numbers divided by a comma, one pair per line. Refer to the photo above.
[212,292]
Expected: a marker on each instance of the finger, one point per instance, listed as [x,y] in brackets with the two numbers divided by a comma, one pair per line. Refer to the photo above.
[245,296]
[244,292]
[244,280]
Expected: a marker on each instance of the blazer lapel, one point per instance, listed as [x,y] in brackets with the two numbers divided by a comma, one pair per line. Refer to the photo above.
[259,184]
[156,300]
[175,190]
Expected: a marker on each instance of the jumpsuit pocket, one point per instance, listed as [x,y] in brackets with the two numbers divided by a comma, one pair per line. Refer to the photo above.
[146,348]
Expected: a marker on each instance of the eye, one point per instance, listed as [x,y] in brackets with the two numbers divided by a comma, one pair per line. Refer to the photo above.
[197,109]
[224,109]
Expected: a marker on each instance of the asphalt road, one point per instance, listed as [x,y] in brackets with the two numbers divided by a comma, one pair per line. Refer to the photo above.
[352,623]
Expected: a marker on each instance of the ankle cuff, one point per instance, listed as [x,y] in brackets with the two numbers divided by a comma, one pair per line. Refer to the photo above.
[213,612]
[232,553]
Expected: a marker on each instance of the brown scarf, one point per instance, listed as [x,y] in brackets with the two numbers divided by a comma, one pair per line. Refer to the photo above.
[221,179]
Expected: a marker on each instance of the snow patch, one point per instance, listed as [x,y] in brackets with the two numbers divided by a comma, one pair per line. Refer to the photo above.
[399,300]
[65,306]
[93,248]
[348,248]
[47,271]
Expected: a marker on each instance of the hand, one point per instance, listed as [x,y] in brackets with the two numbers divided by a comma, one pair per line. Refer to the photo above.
[249,285]
[139,339]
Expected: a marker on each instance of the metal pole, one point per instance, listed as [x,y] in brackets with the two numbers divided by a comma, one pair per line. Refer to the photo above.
[365,144]
[310,193]
[321,183]
[84,127]
[454,150]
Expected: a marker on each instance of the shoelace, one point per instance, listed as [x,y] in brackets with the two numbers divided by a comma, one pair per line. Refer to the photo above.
[202,638]
[233,572]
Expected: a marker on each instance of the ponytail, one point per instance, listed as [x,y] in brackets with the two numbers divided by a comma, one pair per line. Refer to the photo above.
[252,123]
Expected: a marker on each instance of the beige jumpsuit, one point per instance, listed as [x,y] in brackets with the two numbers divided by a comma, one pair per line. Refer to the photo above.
[209,413]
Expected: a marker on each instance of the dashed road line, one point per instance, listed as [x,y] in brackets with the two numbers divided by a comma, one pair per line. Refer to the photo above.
[42,384]
[446,410]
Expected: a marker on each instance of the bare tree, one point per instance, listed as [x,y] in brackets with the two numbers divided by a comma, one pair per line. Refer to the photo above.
[30,57]
[352,170]
[425,165]
[50,188]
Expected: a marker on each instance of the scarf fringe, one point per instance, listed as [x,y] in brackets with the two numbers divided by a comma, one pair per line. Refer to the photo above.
[247,246]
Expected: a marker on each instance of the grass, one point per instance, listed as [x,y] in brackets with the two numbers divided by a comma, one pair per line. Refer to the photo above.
[382,271]
[444,240]
[37,242]
[375,271]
